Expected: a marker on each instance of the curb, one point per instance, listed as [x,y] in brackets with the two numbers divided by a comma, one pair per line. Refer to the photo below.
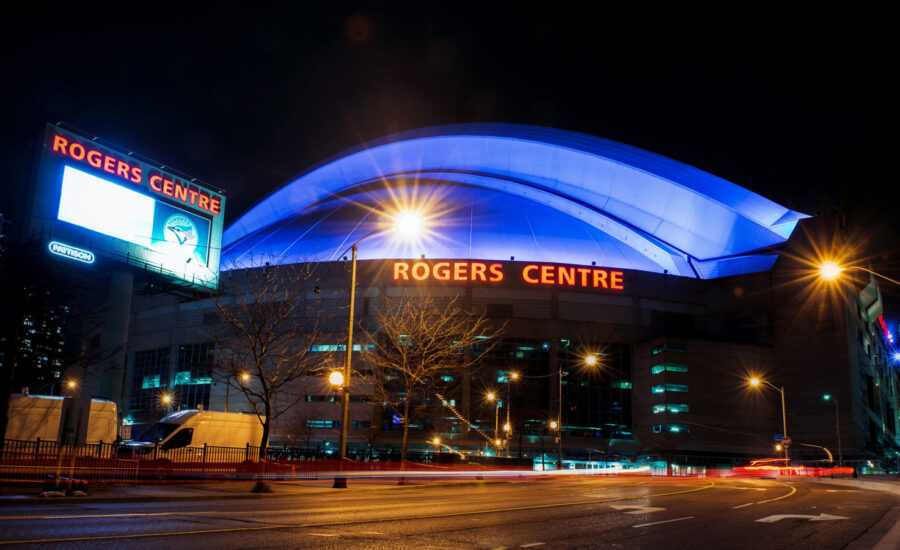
[861,484]
[33,500]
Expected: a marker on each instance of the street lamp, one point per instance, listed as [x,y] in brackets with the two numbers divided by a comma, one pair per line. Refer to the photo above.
[831,270]
[407,224]
[508,427]
[756,382]
[837,426]
[493,398]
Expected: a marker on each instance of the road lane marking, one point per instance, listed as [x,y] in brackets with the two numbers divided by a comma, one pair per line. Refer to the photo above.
[638,509]
[710,484]
[842,491]
[532,544]
[779,517]
[793,490]
[661,522]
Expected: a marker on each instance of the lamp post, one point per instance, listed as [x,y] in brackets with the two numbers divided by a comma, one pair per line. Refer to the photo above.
[508,427]
[493,399]
[408,223]
[837,426]
[756,382]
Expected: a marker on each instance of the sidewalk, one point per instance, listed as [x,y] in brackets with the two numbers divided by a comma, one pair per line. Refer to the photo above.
[216,490]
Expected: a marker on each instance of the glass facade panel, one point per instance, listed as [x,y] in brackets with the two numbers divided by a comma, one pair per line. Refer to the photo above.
[193,375]
[150,376]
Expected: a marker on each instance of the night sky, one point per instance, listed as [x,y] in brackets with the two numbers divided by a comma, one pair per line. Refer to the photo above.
[802,113]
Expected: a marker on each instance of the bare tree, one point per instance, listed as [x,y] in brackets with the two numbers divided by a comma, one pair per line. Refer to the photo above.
[419,342]
[264,336]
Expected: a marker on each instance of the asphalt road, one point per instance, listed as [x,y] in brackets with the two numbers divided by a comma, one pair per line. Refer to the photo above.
[634,513]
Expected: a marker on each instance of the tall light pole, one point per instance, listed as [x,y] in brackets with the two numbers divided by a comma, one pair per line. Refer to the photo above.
[408,223]
[508,427]
[493,399]
[837,426]
[756,382]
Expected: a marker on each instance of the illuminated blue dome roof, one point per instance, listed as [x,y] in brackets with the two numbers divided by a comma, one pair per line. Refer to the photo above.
[495,191]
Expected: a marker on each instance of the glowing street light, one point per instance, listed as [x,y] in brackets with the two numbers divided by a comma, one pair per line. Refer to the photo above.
[407,225]
[336,379]
[71,384]
[436,441]
[757,382]
[830,271]
[492,397]
[591,360]
[554,425]
[245,377]
[166,399]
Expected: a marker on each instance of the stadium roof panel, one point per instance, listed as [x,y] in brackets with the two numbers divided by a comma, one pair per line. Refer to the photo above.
[495,191]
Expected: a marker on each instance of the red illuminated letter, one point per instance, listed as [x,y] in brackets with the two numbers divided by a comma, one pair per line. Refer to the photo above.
[136,175]
[213,205]
[583,271]
[94,158]
[420,271]
[203,203]
[460,271]
[478,270]
[181,192]
[167,187]
[566,276]
[76,151]
[193,195]
[442,271]
[600,278]
[122,169]
[401,271]
[615,280]
[526,270]
[109,165]
[59,144]
[154,183]
[547,275]
[496,272]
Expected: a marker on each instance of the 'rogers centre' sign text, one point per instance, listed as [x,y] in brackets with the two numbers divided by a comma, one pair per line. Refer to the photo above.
[533,274]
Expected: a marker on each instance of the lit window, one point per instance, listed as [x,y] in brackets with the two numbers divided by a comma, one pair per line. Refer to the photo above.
[659,409]
[678,428]
[668,367]
[622,384]
[679,348]
[662,388]
[183,377]
[657,428]
[677,408]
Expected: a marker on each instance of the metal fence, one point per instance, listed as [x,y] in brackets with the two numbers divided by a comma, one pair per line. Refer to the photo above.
[35,461]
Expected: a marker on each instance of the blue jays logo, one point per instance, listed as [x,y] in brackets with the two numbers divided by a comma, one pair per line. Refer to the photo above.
[180,230]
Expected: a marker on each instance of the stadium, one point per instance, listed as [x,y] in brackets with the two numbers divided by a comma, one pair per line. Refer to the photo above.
[682,283]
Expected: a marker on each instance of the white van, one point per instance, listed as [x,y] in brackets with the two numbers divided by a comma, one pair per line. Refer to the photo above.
[194,428]
[33,417]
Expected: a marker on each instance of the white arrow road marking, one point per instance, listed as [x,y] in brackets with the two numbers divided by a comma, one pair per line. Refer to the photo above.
[639,509]
[659,522]
[820,517]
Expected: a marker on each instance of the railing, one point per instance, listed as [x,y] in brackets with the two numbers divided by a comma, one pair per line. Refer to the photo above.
[35,461]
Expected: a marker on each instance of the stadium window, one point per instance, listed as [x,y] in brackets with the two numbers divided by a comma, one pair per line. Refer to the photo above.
[659,409]
[677,387]
[657,428]
[677,408]
[678,348]
[678,428]
[668,367]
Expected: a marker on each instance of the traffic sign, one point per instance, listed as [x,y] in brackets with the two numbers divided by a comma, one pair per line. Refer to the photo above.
[779,437]
[786,441]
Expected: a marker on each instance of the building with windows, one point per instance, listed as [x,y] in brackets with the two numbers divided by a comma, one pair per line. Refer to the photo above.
[682,284]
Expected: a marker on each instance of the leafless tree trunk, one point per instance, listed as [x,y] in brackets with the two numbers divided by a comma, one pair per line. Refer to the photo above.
[264,337]
[419,342]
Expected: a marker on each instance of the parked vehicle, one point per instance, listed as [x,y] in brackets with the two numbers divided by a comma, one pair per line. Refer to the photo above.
[196,428]
[33,417]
